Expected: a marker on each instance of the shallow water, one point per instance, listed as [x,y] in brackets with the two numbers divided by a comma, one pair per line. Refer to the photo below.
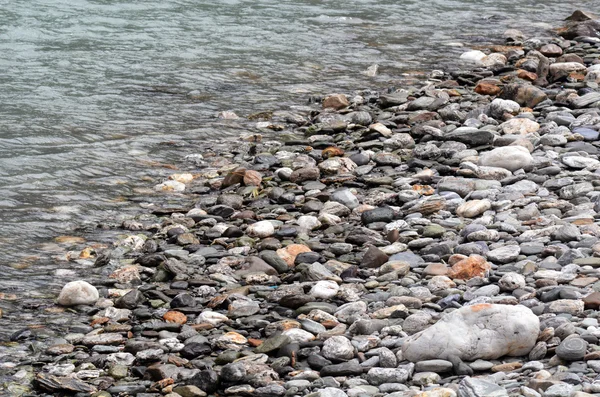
[94,93]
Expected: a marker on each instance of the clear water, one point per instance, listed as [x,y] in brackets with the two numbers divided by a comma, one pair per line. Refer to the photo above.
[92,92]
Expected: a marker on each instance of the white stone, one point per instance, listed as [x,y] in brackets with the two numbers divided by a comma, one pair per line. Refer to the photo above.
[308,222]
[324,289]
[298,335]
[338,348]
[261,229]
[381,129]
[78,293]
[511,281]
[475,56]
[581,162]
[494,59]
[473,208]
[511,158]
[483,331]
[519,126]
[170,186]
[500,106]
[505,254]
[211,317]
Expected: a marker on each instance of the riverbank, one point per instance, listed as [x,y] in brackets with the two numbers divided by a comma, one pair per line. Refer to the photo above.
[304,261]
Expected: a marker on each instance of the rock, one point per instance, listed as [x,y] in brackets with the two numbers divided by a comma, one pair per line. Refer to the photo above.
[261,229]
[474,56]
[378,376]
[345,197]
[483,331]
[473,208]
[324,289]
[336,101]
[504,254]
[511,158]
[572,349]
[374,257]
[382,214]
[338,348]
[78,293]
[478,387]
[466,269]
[563,69]
[551,50]
[519,126]
[305,174]
[499,107]
[512,281]
[289,253]
[524,94]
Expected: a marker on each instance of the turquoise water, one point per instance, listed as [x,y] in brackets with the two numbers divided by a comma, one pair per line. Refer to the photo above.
[91,91]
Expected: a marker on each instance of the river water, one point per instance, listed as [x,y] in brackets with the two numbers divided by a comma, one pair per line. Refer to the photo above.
[95,93]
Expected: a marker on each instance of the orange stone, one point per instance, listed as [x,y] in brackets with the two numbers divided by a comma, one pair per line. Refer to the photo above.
[577,76]
[252,178]
[336,101]
[176,317]
[436,269]
[289,253]
[254,342]
[473,266]
[99,321]
[525,75]
[455,258]
[485,88]
[329,324]
[332,151]
[425,190]
[507,367]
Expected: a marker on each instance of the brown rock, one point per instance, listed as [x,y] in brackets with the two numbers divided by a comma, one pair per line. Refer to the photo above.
[473,266]
[336,101]
[289,253]
[332,151]
[507,367]
[234,177]
[486,88]
[305,174]
[592,301]
[570,58]
[524,94]
[374,257]
[174,316]
[551,50]
[580,16]
[436,269]
[525,75]
[252,178]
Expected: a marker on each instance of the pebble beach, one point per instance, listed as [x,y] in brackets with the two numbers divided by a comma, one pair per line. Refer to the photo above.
[437,239]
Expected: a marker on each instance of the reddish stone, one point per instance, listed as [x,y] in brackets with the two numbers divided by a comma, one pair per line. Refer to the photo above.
[254,342]
[332,151]
[473,266]
[525,75]
[486,88]
[592,301]
[234,177]
[252,178]
[175,317]
[336,101]
[289,253]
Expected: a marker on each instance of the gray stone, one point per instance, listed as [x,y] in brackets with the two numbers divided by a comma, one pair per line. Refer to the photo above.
[378,376]
[345,197]
[483,331]
[338,348]
[479,387]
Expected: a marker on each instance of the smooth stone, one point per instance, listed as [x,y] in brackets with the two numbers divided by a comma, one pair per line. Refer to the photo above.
[572,349]
[78,293]
[482,331]
[511,158]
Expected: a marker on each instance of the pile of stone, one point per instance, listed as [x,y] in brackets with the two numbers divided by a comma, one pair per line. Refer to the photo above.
[432,240]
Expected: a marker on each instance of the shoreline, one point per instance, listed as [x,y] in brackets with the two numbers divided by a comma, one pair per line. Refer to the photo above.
[386,207]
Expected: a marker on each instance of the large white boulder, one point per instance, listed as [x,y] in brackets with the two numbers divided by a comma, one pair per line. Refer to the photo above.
[510,158]
[483,331]
[78,293]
